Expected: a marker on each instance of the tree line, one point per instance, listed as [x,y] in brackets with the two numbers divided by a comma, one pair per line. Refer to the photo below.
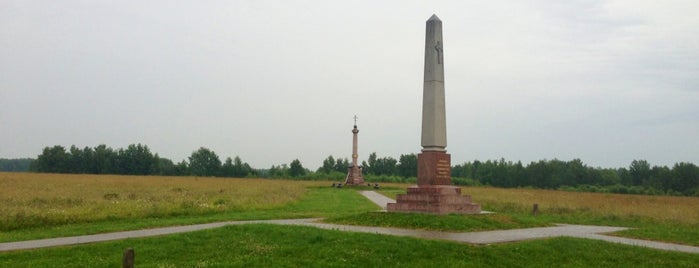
[638,178]
[136,159]
[15,165]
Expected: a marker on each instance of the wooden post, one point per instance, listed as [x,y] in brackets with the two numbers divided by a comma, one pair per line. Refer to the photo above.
[129,258]
[535,210]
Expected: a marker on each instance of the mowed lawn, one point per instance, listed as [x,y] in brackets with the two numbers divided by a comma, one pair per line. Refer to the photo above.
[52,205]
[263,245]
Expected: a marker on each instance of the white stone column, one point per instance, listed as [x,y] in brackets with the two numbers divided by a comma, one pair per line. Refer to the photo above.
[434,123]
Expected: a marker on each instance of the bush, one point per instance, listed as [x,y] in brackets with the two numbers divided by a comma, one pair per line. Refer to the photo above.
[464,181]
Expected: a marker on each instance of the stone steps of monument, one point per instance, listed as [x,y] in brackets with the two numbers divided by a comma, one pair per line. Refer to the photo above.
[433,198]
[434,208]
[435,190]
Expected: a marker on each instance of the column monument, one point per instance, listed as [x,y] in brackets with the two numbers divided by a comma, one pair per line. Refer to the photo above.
[434,192]
[354,172]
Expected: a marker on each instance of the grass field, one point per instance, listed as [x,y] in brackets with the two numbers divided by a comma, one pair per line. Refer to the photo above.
[52,205]
[34,200]
[296,246]
[661,218]
[105,203]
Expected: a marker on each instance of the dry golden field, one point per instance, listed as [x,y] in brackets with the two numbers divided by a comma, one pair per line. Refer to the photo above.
[674,209]
[663,208]
[31,199]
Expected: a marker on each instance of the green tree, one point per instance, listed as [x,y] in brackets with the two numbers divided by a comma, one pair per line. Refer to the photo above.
[385,166]
[539,174]
[52,160]
[103,160]
[408,165]
[517,174]
[341,165]
[639,171]
[204,162]
[296,169]
[136,159]
[16,165]
[371,164]
[166,167]
[576,173]
[365,167]
[78,160]
[660,178]
[279,171]
[182,168]
[227,169]
[624,176]
[328,165]
[685,178]
[241,169]
[609,177]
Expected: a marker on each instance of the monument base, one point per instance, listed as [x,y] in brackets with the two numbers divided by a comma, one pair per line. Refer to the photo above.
[354,176]
[437,199]
[434,192]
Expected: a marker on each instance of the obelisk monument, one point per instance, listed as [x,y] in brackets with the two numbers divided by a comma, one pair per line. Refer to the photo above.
[434,164]
[434,116]
[354,172]
[434,192]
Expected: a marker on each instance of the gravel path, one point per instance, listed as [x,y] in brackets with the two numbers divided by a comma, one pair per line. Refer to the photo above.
[488,237]
[83,239]
[378,199]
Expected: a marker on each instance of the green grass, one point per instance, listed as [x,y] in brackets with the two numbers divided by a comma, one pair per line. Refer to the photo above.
[640,227]
[317,202]
[263,245]
[512,215]
[462,223]
[346,206]
[675,233]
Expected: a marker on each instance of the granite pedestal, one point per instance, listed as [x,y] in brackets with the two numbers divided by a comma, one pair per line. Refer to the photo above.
[434,192]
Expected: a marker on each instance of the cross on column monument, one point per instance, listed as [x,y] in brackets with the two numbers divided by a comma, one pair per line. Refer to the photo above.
[354,172]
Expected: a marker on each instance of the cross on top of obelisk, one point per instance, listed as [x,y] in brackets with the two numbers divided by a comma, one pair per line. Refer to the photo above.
[355,120]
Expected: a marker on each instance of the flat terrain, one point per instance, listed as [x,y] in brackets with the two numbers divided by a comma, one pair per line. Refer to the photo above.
[57,205]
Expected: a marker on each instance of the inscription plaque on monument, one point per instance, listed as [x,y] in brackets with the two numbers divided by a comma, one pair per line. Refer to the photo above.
[433,168]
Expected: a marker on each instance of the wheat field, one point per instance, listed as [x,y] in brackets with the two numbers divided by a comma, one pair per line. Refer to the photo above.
[31,199]
[663,208]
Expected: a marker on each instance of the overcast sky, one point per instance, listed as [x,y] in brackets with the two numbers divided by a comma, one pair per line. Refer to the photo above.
[270,81]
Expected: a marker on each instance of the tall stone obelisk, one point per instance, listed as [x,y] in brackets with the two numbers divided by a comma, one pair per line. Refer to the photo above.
[434,164]
[354,172]
[434,116]
[434,192]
